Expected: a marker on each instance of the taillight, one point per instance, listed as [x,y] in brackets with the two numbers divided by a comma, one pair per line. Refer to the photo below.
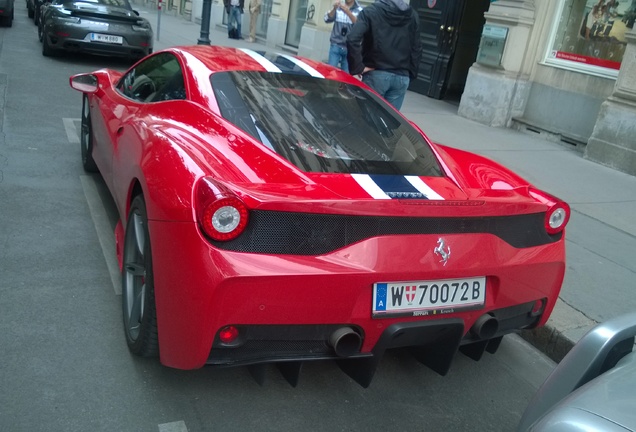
[228,334]
[221,214]
[556,218]
[558,213]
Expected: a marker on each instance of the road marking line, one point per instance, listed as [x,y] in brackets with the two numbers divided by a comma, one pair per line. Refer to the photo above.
[71,130]
[178,426]
[104,232]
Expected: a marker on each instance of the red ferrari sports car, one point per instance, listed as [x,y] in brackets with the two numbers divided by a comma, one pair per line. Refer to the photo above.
[274,209]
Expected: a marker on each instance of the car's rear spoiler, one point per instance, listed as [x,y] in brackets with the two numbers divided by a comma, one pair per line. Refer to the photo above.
[87,14]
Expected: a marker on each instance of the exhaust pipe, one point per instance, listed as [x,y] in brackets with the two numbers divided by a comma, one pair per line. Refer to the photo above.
[345,341]
[485,327]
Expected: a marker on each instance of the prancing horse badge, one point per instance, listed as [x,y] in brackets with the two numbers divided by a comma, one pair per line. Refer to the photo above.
[442,250]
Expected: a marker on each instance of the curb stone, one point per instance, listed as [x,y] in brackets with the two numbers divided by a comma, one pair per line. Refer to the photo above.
[564,328]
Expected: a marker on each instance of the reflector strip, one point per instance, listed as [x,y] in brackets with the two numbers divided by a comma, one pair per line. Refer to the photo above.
[365,181]
[268,65]
[304,66]
[419,184]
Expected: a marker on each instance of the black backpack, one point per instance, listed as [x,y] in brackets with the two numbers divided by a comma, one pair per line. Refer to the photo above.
[232,33]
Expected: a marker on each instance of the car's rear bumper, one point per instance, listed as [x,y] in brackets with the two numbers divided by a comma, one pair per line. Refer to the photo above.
[79,45]
[74,39]
[288,305]
[6,8]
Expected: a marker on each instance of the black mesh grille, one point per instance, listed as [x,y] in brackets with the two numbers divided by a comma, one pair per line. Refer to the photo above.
[314,234]
[254,351]
[276,342]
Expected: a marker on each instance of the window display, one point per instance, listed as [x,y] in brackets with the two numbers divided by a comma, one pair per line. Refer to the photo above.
[590,35]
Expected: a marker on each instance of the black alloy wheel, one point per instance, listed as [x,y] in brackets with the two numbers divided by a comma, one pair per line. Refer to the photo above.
[138,295]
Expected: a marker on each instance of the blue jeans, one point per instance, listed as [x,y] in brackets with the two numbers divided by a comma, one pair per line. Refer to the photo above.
[235,17]
[389,85]
[338,57]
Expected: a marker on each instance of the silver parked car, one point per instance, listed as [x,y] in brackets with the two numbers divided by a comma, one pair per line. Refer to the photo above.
[105,27]
[593,388]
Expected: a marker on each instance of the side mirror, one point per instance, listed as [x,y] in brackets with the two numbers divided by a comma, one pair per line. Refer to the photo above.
[86,83]
[136,12]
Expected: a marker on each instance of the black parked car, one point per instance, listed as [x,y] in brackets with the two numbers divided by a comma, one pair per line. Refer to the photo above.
[30,8]
[6,13]
[37,10]
[105,27]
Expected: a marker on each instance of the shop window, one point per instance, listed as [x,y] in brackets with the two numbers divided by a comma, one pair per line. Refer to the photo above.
[589,35]
[263,18]
[297,18]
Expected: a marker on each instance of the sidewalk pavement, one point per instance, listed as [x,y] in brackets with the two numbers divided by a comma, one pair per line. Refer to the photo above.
[600,280]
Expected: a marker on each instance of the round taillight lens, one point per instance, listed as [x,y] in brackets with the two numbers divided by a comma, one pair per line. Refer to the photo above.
[558,214]
[225,219]
[556,218]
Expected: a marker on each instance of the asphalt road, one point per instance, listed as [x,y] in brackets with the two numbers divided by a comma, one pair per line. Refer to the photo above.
[64,365]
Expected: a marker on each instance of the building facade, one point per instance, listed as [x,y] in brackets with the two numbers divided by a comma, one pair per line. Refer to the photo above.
[563,68]
[567,69]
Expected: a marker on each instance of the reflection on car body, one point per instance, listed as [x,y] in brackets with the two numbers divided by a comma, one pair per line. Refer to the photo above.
[592,388]
[274,209]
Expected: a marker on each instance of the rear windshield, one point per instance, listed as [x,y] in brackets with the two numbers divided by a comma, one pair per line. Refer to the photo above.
[321,125]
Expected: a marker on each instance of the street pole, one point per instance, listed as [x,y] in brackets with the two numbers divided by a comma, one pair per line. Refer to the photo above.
[204,38]
[159,7]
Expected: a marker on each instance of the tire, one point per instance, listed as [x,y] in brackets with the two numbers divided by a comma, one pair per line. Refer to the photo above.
[86,138]
[47,51]
[36,15]
[138,295]
[30,13]
[40,33]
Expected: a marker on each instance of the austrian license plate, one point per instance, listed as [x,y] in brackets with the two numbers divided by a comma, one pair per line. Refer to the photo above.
[423,298]
[98,37]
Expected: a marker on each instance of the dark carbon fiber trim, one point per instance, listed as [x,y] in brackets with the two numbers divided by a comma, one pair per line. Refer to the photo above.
[258,343]
[435,341]
[284,233]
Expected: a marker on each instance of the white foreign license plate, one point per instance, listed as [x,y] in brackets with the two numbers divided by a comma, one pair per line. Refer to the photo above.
[423,298]
[98,37]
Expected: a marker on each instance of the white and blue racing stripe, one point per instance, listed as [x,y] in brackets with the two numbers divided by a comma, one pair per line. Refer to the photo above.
[422,187]
[280,63]
[304,66]
[268,65]
[364,180]
[396,187]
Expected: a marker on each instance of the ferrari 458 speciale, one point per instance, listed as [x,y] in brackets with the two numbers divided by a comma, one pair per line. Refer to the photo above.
[274,209]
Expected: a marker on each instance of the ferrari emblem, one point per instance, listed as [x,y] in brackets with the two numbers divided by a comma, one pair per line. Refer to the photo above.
[442,250]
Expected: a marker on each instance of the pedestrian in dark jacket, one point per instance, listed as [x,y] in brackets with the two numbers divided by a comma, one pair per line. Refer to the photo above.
[384,47]
[234,9]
